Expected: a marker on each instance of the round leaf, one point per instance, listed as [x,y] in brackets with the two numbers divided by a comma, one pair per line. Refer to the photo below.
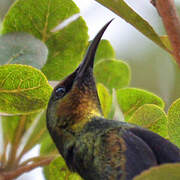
[105,99]
[104,51]
[23,89]
[40,18]
[152,117]
[174,122]
[130,99]
[165,172]
[22,48]
[112,73]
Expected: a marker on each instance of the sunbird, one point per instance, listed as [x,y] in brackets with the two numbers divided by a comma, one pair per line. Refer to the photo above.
[94,147]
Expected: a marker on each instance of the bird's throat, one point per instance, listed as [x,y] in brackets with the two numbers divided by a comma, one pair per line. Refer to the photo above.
[77,109]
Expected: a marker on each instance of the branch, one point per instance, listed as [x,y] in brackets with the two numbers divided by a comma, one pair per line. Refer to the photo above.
[171,20]
[15,173]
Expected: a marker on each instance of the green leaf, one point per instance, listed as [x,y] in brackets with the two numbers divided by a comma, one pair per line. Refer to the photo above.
[105,99]
[130,99]
[112,73]
[22,48]
[10,125]
[167,171]
[104,51]
[47,146]
[59,171]
[40,18]
[128,14]
[166,41]
[23,89]
[152,117]
[174,122]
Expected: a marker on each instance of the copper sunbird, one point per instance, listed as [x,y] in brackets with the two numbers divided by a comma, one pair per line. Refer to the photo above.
[94,147]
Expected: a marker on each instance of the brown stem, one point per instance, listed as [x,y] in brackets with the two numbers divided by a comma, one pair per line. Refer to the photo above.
[171,20]
[17,140]
[37,158]
[3,158]
[17,172]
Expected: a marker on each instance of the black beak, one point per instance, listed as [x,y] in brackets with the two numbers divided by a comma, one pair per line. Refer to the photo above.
[88,60]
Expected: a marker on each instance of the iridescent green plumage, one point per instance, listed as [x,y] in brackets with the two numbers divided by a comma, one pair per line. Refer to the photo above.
[94,147]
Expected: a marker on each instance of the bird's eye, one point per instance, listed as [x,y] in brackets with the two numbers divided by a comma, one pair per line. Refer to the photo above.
[60,92]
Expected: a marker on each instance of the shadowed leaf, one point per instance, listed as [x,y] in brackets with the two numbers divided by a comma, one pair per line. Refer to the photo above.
[23,89]
[22,48]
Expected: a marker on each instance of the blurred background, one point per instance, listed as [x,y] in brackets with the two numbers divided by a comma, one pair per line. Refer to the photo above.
[152,68]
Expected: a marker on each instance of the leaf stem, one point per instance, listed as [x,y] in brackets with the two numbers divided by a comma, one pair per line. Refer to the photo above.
[16,142]
[171,20]
[4,158]
[17,172]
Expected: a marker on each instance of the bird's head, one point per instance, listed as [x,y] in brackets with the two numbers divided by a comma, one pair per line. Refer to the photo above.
[74,101]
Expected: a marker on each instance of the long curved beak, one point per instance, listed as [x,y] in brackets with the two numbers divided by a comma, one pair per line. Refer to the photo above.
[88,60]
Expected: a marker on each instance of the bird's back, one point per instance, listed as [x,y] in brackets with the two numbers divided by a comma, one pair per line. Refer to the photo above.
[113,150]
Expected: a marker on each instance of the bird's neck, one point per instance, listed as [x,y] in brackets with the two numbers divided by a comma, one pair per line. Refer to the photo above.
[77,109]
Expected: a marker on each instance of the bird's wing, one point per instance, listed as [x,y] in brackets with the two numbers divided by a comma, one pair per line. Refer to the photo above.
[120,154]
[163,149]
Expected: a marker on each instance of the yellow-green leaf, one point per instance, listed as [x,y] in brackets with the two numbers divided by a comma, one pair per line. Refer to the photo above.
[59,171]
[40,18]
[104,51]
[105,99]
[112,73]
[163,172]
[130,99]
[23,89]
[174,122]
[152,117]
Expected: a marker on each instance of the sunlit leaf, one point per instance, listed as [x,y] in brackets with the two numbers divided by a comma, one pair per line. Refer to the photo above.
[59,171]
[130,99]
[164,172]
[174,122]
[105,99]
[166,41]
[22,48]
[121,8]
[104,51]
[23,89]
[152,117]
[40,18]
[112,73]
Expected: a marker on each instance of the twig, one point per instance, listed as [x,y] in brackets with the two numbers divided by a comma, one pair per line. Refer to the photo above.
[17,139]
[171,20]
[15,173]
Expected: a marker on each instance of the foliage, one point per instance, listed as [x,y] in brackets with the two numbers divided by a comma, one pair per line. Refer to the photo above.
[33,50]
